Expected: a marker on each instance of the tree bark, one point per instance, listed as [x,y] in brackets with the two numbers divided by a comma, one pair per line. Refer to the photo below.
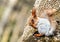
[49,4]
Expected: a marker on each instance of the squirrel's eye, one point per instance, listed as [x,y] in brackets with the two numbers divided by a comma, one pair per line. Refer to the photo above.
[32,21]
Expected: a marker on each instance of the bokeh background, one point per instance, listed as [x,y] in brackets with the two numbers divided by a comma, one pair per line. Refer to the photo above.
[13,17]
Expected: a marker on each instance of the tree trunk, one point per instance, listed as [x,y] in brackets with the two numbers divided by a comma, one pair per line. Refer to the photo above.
[49,4]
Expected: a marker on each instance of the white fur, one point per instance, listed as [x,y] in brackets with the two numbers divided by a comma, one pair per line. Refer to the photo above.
[44,27]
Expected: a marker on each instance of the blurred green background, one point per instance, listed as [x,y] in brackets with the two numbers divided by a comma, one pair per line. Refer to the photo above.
[13,22]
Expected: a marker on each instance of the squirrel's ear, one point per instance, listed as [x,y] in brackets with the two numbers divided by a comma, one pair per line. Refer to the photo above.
[34,12]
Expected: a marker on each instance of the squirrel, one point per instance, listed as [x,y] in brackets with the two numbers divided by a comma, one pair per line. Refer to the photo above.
[48,12]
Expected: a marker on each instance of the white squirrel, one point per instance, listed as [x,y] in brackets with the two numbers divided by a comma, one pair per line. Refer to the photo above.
[46,24]
[44,27]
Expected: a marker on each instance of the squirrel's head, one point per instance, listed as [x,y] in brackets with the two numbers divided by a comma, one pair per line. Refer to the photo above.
[34,17]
